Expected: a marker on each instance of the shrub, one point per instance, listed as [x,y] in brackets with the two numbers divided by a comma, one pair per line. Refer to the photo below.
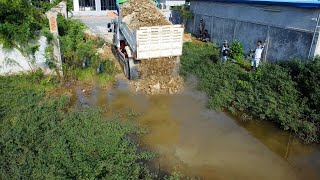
[76,47]
[306,74]
[50,57]
[184,12]
[47,138]
[285,93]
[270,94]
[46,33]
[237,52]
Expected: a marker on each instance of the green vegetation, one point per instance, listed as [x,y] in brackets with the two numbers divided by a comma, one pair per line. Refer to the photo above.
[237,52]
[47,138]
[77,49]
[285,93]
[45,5]
[19,26]
[184,12]
[22,23]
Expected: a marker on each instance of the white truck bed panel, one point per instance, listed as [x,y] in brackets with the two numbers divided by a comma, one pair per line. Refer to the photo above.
[159,41]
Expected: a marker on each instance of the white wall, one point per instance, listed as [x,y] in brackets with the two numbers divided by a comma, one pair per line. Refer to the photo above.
[13,62]
[175,3]
[76,6]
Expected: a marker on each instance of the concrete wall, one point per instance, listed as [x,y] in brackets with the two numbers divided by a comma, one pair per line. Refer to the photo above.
[170,3]
[290,30]
[76,6]
[13,62]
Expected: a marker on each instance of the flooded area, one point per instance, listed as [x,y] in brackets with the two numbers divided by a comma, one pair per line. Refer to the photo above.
[205,144]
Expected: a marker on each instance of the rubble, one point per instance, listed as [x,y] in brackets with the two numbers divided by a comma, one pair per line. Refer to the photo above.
[142,13]
[157,76]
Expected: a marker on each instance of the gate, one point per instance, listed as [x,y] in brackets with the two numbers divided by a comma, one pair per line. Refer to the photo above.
[108,5]
[87,5]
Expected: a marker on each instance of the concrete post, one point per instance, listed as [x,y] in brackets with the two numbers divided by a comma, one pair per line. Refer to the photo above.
[57,56]
[265,57]
[52,17]
[98,5]
[76,6]
[317,48]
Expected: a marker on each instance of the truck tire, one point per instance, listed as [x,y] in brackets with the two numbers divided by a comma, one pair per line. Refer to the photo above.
[126,69]
[133,70]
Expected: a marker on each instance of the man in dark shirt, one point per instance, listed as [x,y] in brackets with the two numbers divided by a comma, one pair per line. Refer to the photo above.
[225,50]
[201,28]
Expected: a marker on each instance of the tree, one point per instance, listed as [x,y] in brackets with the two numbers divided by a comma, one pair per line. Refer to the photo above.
[20,25]
[184,12]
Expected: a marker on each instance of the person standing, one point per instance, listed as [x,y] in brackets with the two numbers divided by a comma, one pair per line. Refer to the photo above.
[206,36]
[201,29]
[225,50]
[255,62]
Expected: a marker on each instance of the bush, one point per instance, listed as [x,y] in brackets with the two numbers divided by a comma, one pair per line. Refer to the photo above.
[306,74]
[46,138]
[286,93]
[237,52]
[46,33]
[50,57]
[76,46]
[270,94]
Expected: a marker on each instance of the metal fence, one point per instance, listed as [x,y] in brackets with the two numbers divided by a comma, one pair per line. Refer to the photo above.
[87,5]
[108,4]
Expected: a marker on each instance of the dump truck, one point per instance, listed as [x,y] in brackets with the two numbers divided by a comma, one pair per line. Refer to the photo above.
[143,43]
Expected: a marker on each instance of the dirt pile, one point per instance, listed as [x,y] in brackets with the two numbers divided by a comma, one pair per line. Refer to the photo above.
[139,13]
[159,76]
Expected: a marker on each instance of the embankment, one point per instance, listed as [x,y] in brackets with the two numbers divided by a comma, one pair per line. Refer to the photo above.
[286,93]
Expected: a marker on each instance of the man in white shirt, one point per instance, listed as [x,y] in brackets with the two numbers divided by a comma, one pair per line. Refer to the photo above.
[257,55]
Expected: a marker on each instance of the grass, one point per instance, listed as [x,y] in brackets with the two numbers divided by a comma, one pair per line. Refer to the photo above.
[90,75]
[287,94]
[49,138]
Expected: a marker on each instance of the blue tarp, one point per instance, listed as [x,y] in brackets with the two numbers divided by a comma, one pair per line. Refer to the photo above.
[295,3]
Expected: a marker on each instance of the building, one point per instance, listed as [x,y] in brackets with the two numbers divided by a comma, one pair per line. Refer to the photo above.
[168,4]
[291,27]
[92,7]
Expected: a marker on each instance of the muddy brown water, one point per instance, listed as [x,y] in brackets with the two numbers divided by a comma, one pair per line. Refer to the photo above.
[205,144]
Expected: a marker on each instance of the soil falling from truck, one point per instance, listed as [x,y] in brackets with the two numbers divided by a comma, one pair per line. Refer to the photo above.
[157,76]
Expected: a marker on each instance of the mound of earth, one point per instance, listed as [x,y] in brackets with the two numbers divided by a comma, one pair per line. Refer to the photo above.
[157,76]
[140,13]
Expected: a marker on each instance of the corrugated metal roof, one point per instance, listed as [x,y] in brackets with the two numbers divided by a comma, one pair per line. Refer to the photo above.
[295,3]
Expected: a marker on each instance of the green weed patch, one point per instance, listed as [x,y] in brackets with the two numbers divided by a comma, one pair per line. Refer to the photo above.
[45,138]
[287,95]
